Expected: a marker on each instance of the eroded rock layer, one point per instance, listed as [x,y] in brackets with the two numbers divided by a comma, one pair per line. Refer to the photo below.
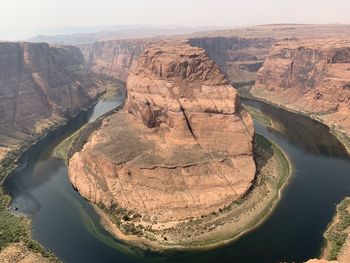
[114,57]
[181,149]
[238,58]
[39,85]
[311,76]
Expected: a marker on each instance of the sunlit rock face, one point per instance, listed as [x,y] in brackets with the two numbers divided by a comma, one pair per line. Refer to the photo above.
[39,85]
[181,148]
[310,76]
[113,57]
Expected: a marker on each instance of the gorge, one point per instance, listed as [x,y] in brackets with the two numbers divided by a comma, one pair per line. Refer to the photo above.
[178,99]
[169,167]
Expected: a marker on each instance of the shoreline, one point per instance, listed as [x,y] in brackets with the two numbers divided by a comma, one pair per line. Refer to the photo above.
[65,149]
[342,137]
[20,221]
[344,140]
[217,239]
[337,234]
[25,146]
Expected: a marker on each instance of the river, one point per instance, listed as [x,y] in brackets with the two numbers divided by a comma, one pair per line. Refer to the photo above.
[65,223]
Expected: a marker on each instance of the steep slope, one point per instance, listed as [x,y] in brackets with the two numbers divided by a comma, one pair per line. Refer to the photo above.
[239,52]
[239,58]
[181,149]
[311,76]
[40,85]
[115,57]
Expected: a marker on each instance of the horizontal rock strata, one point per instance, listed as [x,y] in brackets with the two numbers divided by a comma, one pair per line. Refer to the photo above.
[182,148]
[113,57]
[311,76]
[39,86]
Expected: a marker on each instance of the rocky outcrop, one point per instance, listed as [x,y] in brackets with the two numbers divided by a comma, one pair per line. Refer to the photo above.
[115,57]
[311,76]
[238,58]
[181,149]
[39,86]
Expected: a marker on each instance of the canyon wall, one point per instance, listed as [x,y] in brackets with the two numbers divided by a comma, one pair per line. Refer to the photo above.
[39,86]
[238,58]
[181,149]
[311,76]
[114,57]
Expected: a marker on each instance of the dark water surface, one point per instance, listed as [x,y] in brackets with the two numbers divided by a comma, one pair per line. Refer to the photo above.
[65,223]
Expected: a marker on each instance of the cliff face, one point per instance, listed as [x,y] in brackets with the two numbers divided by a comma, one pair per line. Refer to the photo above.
[39,85]
[310,76]
[113,58]
[182,148]
[238,58]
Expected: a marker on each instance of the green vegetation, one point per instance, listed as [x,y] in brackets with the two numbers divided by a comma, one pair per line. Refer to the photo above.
[258,116]
[283,163]
[336,235]
[77,140]
[62,150]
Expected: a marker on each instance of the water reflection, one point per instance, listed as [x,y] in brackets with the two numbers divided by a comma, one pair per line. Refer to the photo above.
[312,136]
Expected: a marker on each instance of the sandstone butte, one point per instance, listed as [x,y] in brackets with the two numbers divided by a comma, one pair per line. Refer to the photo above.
[182,148]
[40,86]
[310,76]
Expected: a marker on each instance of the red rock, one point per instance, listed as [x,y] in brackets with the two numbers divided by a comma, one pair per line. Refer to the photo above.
[309,76]
[40,85]
[184,151]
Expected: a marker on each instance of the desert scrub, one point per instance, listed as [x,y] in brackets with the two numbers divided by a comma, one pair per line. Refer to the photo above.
[336,235]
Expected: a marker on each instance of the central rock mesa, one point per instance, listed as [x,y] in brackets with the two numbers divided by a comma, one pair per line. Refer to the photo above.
[181,149]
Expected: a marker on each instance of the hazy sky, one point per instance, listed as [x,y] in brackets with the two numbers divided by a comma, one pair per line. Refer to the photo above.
[27,16]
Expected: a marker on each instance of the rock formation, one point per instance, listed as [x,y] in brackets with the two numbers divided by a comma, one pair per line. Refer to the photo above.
[181,149]
[238,58]
[114,57]
[311,76]
[39,86]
